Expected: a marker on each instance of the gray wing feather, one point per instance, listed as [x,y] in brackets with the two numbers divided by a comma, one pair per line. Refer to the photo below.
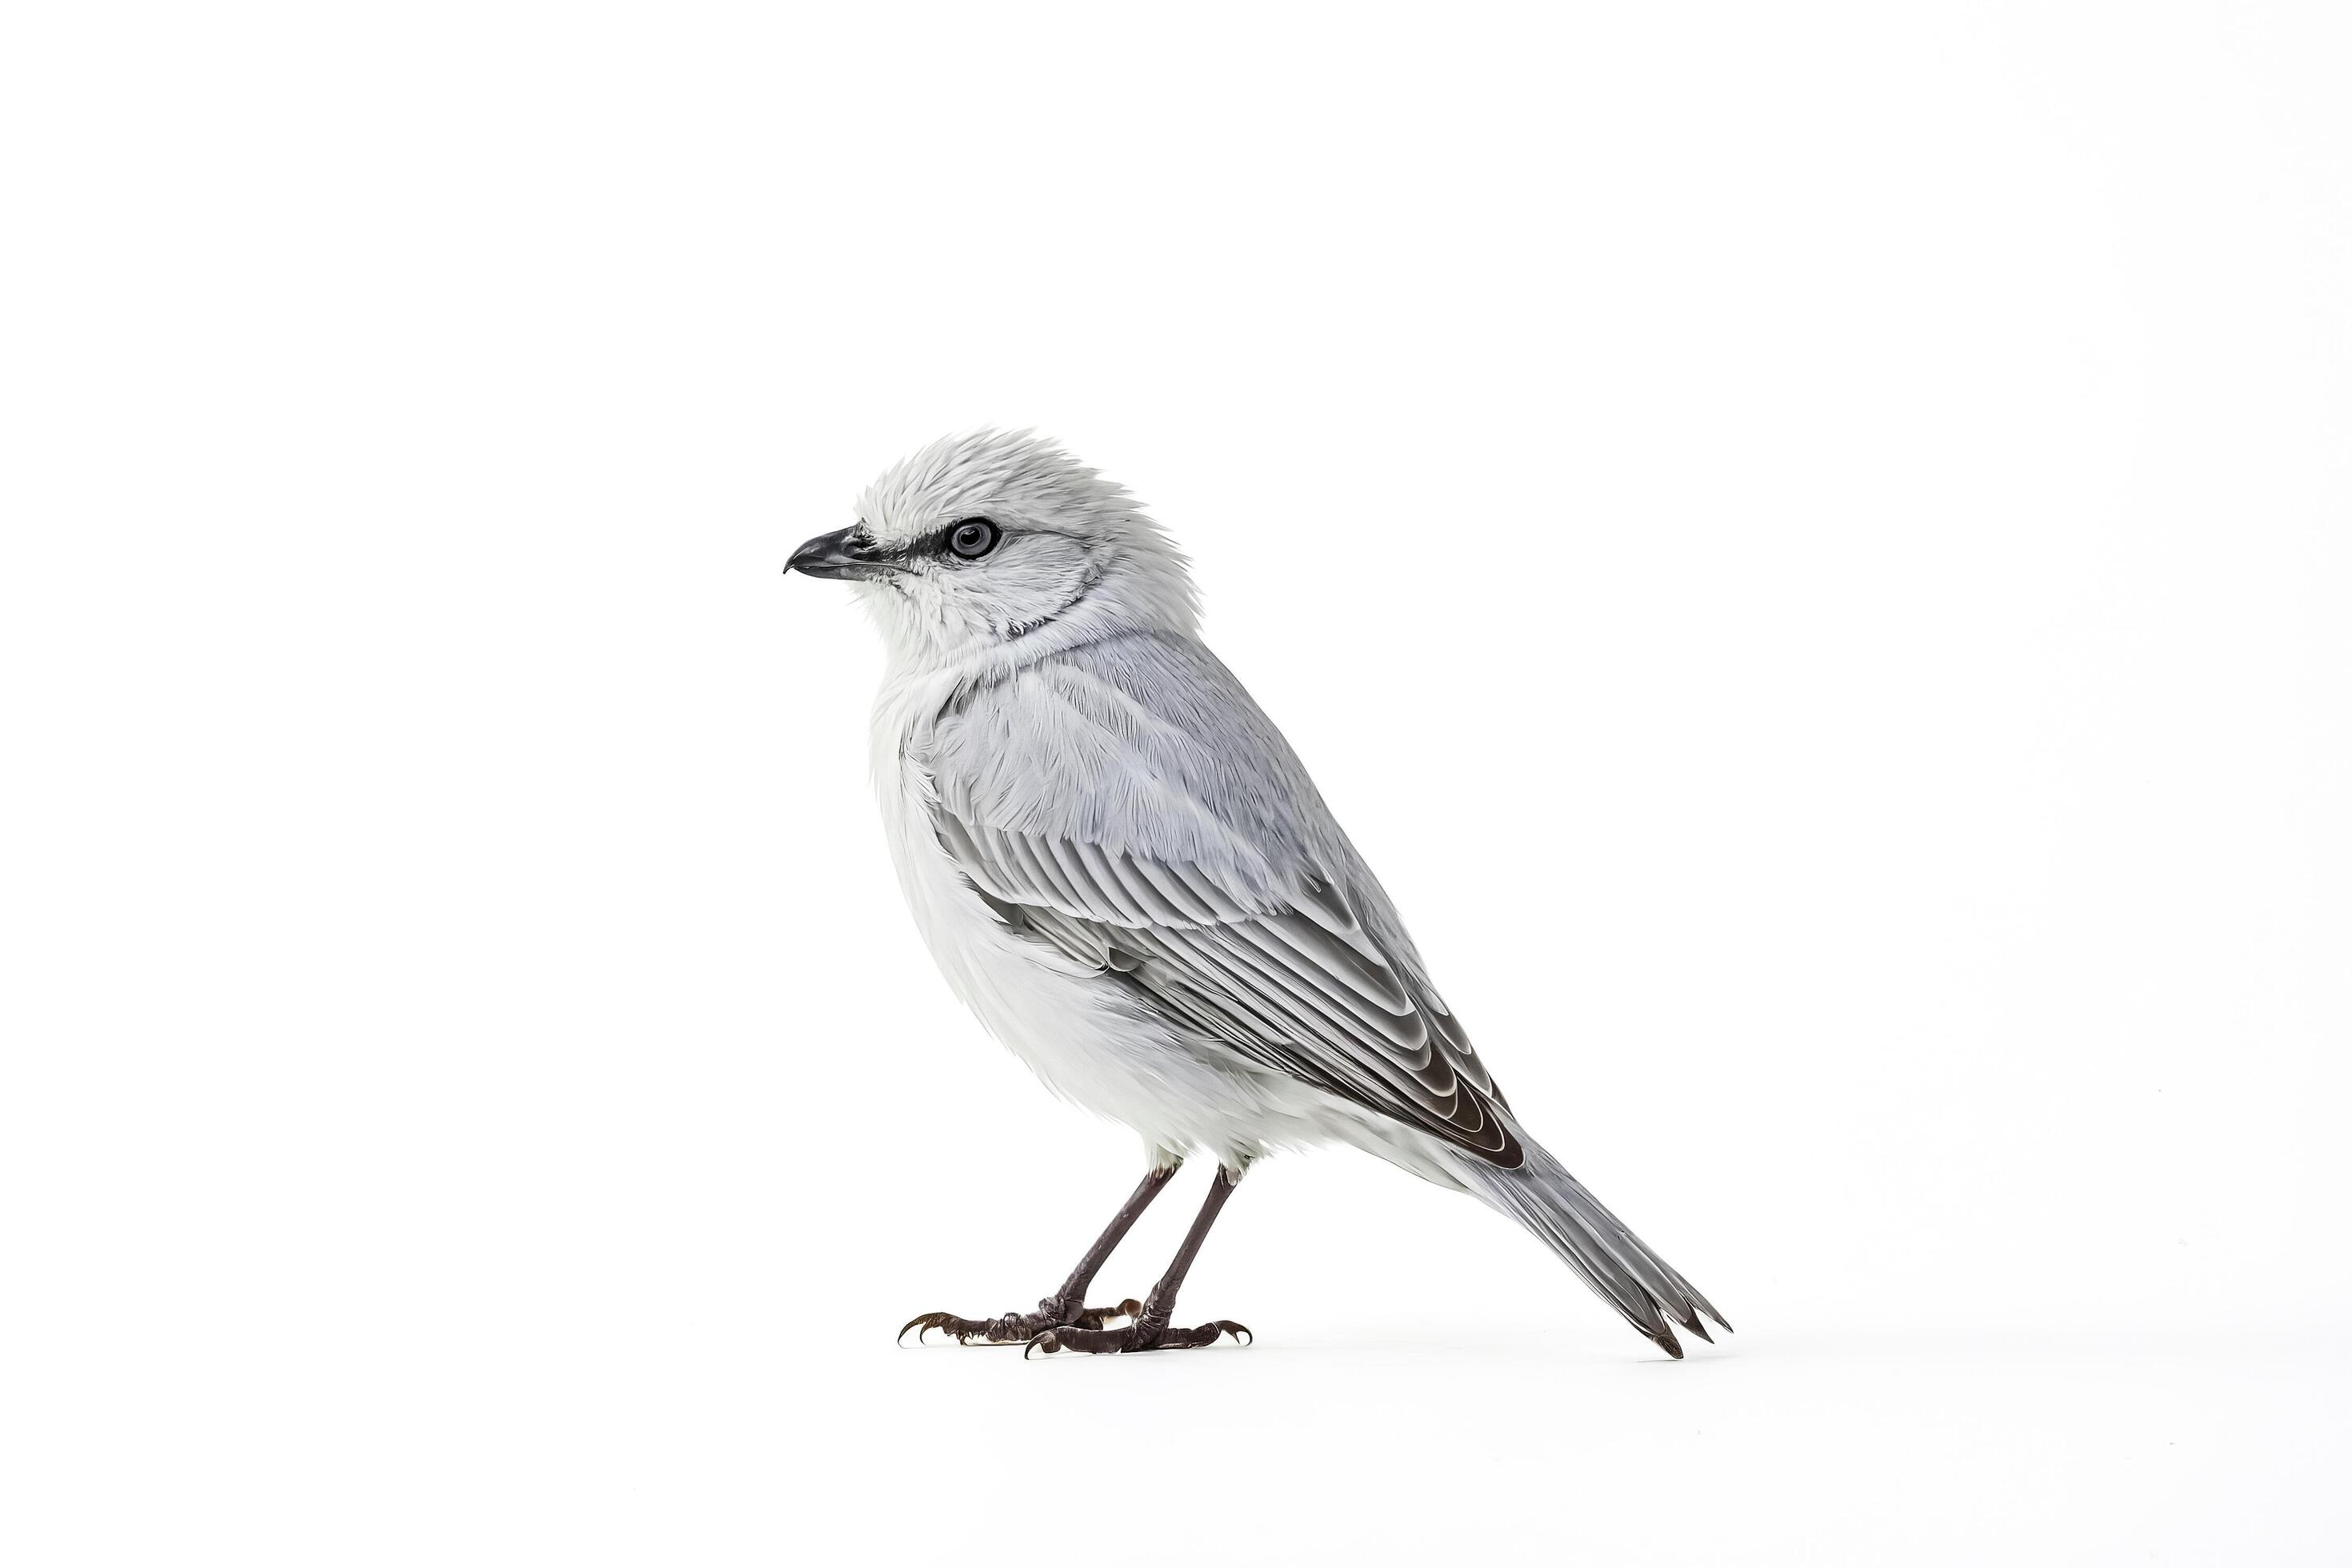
[1128,804]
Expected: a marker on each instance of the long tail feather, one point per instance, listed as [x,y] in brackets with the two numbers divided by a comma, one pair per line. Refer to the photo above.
[1620,1269]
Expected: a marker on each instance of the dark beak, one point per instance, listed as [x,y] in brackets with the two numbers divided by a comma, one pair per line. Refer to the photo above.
[846,553]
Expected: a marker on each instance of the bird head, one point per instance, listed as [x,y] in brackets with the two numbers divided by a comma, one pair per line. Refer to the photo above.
[987,540]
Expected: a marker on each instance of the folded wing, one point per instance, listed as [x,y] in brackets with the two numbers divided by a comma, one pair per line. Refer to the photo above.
[1247,940]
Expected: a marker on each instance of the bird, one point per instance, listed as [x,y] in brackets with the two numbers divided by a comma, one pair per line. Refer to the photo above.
[1125,872]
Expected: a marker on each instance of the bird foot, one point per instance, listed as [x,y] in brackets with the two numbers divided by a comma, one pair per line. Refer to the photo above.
[1145,1331]
[1019,1327]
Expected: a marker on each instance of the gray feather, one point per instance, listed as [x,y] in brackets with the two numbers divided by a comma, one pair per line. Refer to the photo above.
[1132,788]
[1622,1271]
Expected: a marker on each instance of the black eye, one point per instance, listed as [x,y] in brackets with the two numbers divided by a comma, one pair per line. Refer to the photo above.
[973,538]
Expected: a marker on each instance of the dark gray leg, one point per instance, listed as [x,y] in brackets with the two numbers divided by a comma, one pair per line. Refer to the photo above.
[1067,1306]
[1150,1330]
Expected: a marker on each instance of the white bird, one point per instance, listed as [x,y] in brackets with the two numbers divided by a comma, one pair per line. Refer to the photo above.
[1125,873]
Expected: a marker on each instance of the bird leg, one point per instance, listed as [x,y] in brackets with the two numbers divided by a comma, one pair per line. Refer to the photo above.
[1149,1328]
[1066,1308]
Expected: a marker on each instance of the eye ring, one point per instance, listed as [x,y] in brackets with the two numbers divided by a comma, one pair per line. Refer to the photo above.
[973,538]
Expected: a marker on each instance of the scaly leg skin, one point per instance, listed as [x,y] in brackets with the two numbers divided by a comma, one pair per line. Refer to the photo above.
[1066,1308]
[1149,1329]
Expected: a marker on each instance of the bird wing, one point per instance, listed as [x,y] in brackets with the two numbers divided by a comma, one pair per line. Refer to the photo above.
[1128,804]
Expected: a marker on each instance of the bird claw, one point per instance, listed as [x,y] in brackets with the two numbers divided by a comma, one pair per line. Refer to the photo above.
[1086,1330]
[1135,1338]
[1016,1328]
[946,1322]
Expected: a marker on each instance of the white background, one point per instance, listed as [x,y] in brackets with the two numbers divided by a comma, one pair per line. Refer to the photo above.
[1809,545]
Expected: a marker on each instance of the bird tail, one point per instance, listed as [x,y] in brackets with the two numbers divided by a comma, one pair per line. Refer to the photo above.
[1620,1269]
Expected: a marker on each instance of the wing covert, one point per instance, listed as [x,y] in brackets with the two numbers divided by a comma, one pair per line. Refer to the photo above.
[1288,977]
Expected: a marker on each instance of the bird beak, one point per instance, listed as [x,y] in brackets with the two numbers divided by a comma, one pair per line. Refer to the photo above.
[849,553]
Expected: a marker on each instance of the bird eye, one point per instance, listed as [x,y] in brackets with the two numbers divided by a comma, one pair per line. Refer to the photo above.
[973,538]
